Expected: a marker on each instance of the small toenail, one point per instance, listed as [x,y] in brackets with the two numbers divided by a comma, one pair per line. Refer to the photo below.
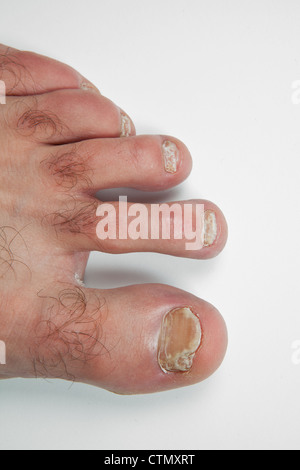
[171,156]
[79,281]
[126,125]
[180,338]
[87,86]
[210,228]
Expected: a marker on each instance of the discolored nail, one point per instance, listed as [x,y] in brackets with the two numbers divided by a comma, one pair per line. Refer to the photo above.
[179,340]
[210,228]
[88,86]
[126,125]
[171,156]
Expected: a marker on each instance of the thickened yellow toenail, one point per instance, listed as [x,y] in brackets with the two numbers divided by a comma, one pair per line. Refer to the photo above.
[171,156]
[210,228]
[179,340]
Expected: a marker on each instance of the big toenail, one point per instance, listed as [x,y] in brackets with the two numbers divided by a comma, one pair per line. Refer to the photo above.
[171,156]
[179,340]
[210,228]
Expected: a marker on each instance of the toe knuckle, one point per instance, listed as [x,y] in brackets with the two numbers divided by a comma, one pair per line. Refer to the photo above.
[67,169]
[69,331]
[34,120]
[13,69]
[77,217]
[28,119]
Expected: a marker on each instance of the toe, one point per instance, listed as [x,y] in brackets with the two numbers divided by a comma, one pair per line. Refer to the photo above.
[140,339]
[172,339]
[147,163]
[66,116]
[27,73]
[192,229]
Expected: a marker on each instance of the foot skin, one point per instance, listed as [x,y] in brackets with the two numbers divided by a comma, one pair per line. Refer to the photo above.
[61,142]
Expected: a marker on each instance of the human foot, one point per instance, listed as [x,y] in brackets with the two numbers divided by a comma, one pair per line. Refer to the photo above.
[60,144]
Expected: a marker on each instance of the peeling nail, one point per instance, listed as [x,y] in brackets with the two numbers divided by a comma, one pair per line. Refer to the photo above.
[179,340]
[171,156]
[126,125]
[210,228]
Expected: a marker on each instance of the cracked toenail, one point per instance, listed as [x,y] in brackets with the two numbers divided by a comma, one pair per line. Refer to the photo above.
[179,340]
[126,125]
[210,228]
[171,156]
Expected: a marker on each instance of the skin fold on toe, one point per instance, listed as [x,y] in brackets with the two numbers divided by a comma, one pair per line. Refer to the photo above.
[62,142]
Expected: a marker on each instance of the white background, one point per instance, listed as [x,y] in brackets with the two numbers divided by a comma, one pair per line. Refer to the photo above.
[217,74]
